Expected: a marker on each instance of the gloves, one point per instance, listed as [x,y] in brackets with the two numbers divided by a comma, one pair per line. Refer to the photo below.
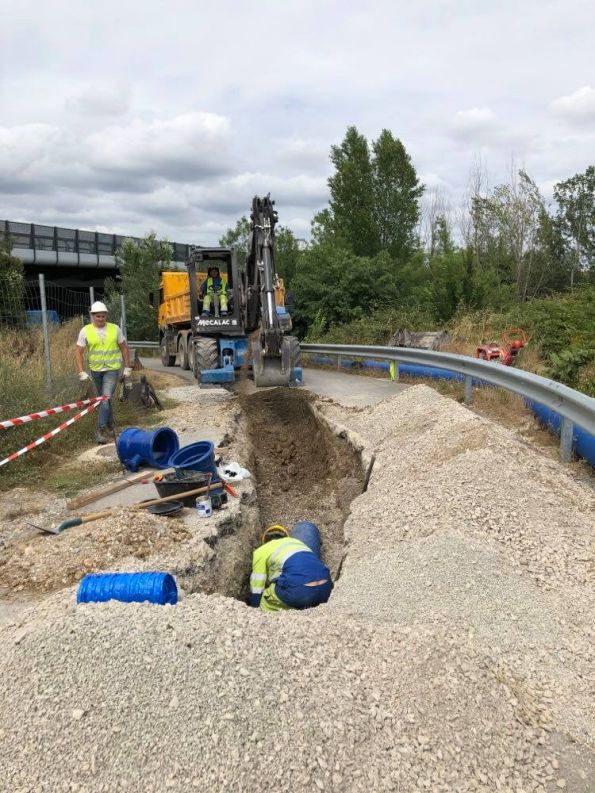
[83,376]
[127,371]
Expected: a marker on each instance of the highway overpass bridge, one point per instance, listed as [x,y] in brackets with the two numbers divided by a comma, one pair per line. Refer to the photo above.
[72,258]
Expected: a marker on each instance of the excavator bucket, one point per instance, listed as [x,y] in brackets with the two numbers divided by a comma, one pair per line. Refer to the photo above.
[271,371]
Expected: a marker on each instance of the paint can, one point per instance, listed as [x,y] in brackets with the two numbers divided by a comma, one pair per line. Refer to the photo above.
[204,506]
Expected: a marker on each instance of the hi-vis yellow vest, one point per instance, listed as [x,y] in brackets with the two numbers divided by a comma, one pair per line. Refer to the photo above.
[103,354]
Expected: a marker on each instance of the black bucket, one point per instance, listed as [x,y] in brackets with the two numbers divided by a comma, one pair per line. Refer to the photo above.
[174,484]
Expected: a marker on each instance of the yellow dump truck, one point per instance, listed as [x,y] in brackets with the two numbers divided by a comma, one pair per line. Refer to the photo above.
[175,321]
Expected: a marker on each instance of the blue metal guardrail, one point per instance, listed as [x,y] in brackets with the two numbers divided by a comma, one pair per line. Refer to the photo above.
[34,243]
[574,408]
[561,407]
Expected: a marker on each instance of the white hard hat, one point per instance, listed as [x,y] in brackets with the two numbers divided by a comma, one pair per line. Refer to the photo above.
[98,308]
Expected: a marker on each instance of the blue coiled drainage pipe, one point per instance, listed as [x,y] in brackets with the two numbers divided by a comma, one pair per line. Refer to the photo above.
[159,588]
[583,443]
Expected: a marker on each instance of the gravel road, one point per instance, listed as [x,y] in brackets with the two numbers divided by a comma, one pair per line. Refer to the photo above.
[456,653]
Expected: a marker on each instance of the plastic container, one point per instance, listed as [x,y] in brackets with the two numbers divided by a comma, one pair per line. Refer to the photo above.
[152,447]
[204,507]
[159,588]
[179,483]
[199,456]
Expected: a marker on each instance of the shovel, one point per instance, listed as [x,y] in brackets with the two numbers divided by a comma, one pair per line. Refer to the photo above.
[80,519]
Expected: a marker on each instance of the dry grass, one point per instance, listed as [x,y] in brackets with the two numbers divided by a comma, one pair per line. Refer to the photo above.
[23,389]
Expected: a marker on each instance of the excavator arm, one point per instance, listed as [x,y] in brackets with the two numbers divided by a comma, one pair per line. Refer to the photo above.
[271,351]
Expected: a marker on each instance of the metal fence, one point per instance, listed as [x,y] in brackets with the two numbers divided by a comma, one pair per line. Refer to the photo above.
[35,243]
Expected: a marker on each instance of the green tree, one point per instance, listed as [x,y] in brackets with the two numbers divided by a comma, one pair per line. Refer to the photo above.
[287,253]
[12,284]
[140,263]
[397,192]
[239,238]
[352,195]
[576,219]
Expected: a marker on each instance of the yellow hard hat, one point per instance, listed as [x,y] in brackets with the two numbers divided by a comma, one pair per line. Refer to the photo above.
[274,533]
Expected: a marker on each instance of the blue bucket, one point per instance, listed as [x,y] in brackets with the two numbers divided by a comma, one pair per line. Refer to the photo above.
[199,456]
[151,447]
[159,588]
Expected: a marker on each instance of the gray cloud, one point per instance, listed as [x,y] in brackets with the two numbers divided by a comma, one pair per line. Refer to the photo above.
[172,127]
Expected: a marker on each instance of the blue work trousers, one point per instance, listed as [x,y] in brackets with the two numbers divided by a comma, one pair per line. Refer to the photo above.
[105,385]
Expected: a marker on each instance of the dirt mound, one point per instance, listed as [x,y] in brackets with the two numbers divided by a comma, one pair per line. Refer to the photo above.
[44,564]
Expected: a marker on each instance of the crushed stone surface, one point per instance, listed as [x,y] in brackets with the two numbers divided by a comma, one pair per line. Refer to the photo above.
[456,653]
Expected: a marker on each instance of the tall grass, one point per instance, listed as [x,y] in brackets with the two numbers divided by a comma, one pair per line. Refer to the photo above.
[23,389]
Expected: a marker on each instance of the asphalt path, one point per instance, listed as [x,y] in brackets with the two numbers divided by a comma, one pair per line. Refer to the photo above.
[348,389]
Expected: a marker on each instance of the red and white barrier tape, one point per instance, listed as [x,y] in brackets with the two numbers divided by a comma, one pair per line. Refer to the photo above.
[55,431]
[51,412]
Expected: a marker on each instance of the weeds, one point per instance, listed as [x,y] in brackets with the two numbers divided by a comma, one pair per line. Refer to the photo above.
[23,389]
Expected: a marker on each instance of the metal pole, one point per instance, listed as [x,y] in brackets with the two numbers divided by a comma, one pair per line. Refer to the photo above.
[566,433]
[46,332]
[91,295]
[339,362]
[468,389]
[123,313]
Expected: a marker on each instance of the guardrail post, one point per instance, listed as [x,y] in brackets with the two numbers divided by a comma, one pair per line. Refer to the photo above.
[566,433]
[339,362]
[468,389]
[393,371]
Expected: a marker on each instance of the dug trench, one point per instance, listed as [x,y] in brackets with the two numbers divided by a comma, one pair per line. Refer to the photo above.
[301,470]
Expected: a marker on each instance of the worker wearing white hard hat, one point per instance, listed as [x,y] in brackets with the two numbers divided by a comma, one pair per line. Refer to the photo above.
[106,347]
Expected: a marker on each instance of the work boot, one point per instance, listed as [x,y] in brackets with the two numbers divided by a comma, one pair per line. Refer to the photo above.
[205,313]
[224,313]
[101,437]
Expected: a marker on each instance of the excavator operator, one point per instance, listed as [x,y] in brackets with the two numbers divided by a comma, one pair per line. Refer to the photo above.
[212,285]
[287,572]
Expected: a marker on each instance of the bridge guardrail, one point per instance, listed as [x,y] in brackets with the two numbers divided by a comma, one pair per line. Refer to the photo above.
[144,345]
[573,406]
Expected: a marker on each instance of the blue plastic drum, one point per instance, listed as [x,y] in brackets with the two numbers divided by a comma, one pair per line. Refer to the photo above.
[159,588]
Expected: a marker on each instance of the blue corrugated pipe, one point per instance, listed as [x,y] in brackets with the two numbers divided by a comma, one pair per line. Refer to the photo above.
[583,443]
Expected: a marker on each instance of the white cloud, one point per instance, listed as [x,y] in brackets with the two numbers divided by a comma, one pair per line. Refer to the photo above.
[477,124]
[182,148]
[578,107]
[100,100]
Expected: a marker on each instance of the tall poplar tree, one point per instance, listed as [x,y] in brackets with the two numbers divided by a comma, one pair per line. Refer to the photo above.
[352,195]
[397,192]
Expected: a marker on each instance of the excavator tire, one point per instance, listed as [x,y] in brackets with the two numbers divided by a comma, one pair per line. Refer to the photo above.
[206,355]
[295,352]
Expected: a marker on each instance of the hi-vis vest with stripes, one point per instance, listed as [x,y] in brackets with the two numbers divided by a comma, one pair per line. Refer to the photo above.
[267,566]
[103,354]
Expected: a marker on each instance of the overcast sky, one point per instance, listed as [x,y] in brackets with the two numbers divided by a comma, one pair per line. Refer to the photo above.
[135,115]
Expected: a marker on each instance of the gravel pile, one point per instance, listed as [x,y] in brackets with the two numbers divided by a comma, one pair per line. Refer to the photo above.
[456,653]
[213,695]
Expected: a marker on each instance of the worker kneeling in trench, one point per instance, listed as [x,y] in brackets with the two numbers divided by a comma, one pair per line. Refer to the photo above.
[287,572]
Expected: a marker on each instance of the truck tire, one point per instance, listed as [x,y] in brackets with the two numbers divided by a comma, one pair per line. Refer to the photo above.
[295,355]
[183,353]
[166,358]
[206,355]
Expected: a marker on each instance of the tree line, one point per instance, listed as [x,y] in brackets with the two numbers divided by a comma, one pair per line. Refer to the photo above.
[376,246]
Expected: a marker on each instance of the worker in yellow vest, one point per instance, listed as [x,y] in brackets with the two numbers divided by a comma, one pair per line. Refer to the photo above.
[106,347]
[287,572]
